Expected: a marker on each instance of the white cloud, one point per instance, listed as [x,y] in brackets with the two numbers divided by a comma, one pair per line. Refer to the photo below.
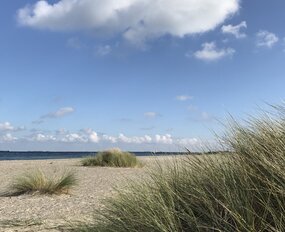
[82,136]
[164,139]
[151,114]
[135,20]
[135,139]
[183,97]
[74,137]
[43,138]
[94,137]
[124,138]
[266,39]
[109,138]
[235,30]
[188,141]
[148,138]
[195,144]
[59,113]
[8,138]
[7,126]
[88,135]
[89,138]
[210,52]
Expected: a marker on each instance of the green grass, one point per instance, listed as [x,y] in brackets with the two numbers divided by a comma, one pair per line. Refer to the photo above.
[37,182]
[240,191]
[111,158]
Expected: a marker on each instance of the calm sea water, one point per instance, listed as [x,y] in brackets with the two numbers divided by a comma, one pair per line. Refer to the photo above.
[11,155]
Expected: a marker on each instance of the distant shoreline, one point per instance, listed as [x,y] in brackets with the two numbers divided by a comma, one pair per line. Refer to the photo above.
[46,155]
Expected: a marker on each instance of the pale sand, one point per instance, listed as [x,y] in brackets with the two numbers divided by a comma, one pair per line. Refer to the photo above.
[47,213]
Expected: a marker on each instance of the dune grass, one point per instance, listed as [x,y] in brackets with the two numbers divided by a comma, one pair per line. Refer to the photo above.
[111,158]
[37,182]
[19,223]
[240,191]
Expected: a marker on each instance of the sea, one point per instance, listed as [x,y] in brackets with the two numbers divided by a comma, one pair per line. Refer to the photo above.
[43,155]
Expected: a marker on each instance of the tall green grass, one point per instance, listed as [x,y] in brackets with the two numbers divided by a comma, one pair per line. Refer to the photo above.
[38,182]
[242,191]
[111,158]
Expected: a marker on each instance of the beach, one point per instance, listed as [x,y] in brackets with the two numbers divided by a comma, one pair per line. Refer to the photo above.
[52,213]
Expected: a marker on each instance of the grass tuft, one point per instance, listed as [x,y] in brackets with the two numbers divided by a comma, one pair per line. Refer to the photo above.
[38,182]
[111,158]
[240,191]
[19,223]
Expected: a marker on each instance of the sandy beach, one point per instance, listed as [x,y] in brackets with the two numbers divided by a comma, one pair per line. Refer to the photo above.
[49,213]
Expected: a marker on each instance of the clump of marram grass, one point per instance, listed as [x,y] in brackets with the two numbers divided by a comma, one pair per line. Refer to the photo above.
[240,191]
[37,182]
[111,158]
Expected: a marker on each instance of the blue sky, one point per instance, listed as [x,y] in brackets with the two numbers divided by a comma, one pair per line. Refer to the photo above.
[134,74]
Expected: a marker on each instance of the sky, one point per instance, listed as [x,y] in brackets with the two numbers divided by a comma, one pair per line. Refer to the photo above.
[140,75]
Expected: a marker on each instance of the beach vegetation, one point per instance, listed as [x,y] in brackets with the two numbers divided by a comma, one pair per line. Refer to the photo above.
[37,182]
[111,158]
[239,191]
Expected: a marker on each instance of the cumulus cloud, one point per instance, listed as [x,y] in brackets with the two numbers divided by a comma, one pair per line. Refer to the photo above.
[188,141]
[8,137]
[135,20]
[74,137]
[88,138]
[164,139]
[235,30]
[183,97]
[7,126]
[42,138]
[89,135]
[211,52]
[134,139]
[109,138]
[266,39]
[93,136]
